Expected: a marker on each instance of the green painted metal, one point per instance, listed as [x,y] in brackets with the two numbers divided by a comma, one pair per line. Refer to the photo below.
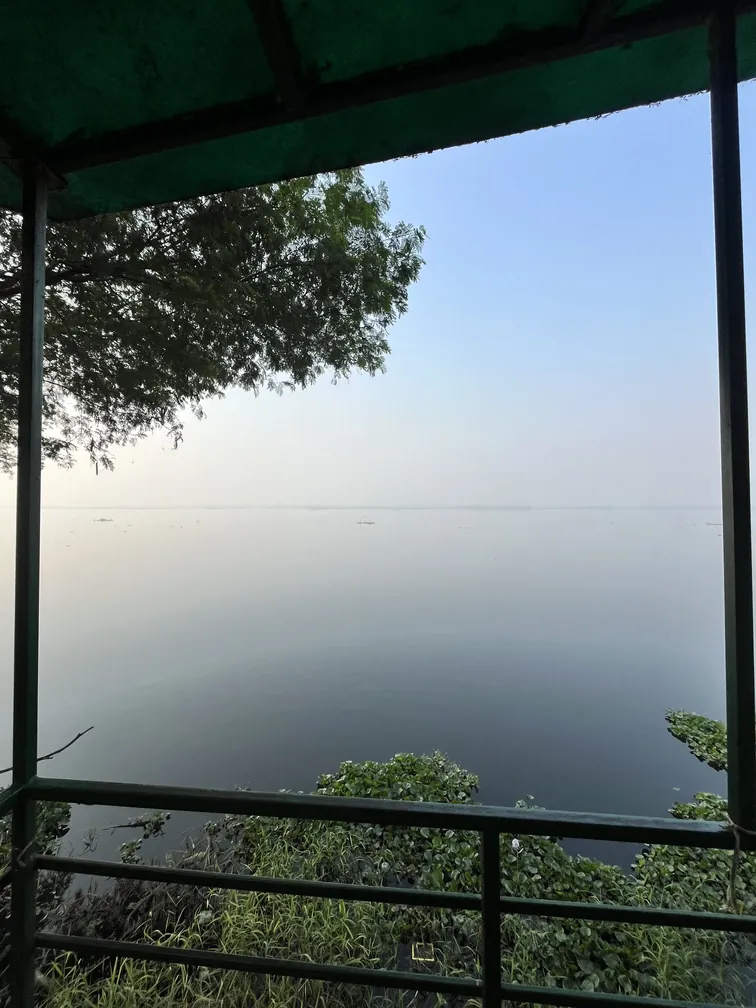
[258,883]
[534,822]
[140,103]
[258,964]
[26,630]
[733,397]
[518,993]
[649,916]
[491,893]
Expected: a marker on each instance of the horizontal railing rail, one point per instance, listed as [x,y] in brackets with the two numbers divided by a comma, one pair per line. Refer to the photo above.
[244,882]
[262,964]
[241,881]
[385,812]
[426,982]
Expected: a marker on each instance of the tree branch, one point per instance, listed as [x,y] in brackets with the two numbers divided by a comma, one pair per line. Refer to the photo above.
[84,273]
[55,751]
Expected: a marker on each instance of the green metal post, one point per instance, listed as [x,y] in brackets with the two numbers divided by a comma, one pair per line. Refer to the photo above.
[26,639]
[733,396]
[491,891]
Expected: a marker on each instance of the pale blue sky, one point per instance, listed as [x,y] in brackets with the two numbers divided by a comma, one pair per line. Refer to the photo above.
[560,346]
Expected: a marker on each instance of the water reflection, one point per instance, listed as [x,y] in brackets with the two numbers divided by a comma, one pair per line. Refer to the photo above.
[537,648]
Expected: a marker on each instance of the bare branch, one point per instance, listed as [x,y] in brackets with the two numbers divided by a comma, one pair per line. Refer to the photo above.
[83,273]
[55,751]
[152,823]
[138,823]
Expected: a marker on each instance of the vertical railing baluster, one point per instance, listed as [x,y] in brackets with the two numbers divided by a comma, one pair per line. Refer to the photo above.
[733,397]
[491,890]
[26,631]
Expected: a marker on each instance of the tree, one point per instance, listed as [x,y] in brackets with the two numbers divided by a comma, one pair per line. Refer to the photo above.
[151,312]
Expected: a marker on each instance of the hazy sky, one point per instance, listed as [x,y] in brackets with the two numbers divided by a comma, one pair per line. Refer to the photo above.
[559,349]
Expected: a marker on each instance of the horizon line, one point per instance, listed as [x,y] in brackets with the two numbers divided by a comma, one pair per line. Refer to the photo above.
[375,507]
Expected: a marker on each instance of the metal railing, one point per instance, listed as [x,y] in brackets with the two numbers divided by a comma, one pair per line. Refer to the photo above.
[27,788]
[488,821]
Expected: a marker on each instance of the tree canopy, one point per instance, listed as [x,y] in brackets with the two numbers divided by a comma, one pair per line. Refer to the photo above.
[151,312]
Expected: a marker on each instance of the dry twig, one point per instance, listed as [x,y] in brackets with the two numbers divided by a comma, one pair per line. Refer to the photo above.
[55,751]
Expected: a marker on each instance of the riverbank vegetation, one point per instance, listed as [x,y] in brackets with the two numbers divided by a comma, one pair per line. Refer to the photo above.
[706,739]
[632,959]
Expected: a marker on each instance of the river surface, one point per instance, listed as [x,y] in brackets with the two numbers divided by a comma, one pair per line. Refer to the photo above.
[537,648]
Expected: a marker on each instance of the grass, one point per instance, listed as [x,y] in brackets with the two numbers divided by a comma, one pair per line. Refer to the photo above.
[250,923]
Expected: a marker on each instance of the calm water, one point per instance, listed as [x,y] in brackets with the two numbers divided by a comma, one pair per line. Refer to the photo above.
[539,649]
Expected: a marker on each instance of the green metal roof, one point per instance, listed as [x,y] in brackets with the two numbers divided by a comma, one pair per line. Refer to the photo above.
[133,102]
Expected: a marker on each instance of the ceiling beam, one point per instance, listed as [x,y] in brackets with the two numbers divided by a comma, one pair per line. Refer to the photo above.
[517,52]
[595,17]
[280,51]
[16,148]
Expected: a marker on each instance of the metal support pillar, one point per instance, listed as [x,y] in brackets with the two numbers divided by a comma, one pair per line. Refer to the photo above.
[733,396]
[491,891]
[26,639]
